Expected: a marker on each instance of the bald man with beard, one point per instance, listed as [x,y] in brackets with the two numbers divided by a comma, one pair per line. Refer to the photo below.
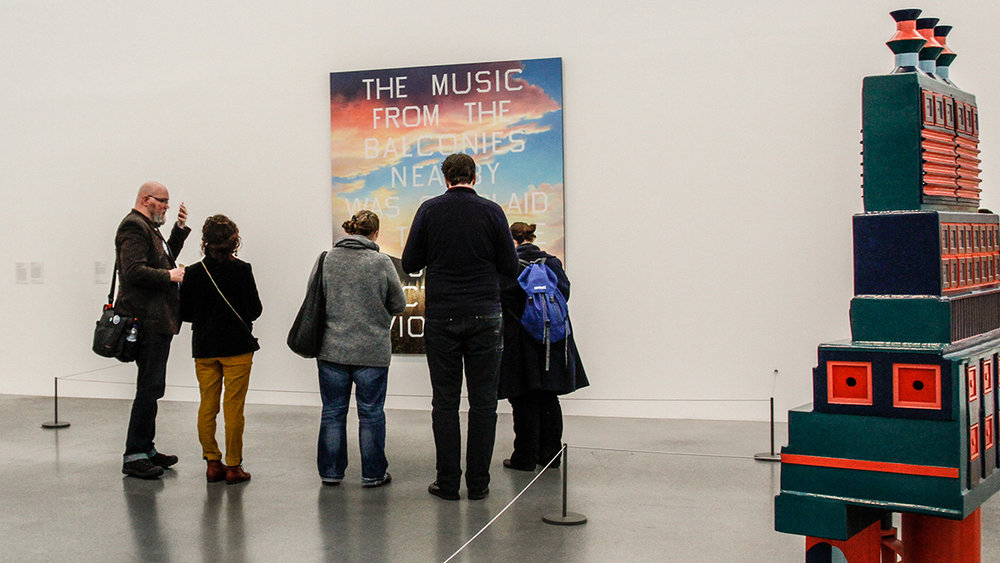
[149,290]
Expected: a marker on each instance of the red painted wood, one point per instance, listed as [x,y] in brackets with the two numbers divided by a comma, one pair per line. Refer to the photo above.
[929,539]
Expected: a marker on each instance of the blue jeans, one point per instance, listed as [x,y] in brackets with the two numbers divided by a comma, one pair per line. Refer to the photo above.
[335,382]
[150,384]
[475,343]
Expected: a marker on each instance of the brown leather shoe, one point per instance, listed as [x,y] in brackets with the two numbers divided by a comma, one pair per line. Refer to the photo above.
[215,472]
[235,474]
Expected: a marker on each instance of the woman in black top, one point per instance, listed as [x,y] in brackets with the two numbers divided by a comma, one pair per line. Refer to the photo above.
[532,390]
[219,298]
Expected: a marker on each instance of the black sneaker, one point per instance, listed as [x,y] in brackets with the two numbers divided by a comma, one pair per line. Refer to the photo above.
[142,468]
[163,460]
[437,491]
[480,494]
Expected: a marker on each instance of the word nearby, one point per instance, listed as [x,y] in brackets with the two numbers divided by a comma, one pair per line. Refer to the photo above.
[430,176]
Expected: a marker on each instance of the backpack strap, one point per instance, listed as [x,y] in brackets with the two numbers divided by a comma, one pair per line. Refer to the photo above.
[525,263]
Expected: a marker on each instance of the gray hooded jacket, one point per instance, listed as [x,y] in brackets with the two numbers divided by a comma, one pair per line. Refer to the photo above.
[363,293]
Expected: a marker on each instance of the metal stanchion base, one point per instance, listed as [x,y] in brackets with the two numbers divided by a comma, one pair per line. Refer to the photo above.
[570,519]
[55,424]
[767,456]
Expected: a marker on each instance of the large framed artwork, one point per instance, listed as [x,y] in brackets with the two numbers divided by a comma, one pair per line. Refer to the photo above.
[391,128]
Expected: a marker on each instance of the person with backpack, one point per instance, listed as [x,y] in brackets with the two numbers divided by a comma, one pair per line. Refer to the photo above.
[540,360]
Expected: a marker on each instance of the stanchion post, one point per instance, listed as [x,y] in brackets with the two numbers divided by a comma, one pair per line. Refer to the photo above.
[566,518]
[55,401]
[765,456]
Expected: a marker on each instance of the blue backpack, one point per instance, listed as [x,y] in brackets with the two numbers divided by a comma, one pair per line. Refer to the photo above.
[546,315]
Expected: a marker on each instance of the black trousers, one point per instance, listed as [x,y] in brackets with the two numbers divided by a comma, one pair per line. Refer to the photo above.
[150,385]
[538,428]
[475,343]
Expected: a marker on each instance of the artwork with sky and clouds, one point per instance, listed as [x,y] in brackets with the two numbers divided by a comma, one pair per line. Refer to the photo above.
[392,128]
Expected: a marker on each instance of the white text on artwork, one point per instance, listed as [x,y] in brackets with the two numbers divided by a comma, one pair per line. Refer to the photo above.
[414,326]
[394,89]
[390,209]
[408,116]
[430,145]
[478,110]
[485,81]
[532,202]
[430,176]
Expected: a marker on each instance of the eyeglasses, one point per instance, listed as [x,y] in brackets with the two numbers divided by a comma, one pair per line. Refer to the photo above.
[163,201]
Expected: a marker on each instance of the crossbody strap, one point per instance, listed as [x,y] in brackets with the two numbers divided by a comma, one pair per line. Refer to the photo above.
[231,308]
[114,274]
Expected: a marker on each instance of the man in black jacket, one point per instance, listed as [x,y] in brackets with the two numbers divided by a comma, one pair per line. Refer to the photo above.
[149,290]
[464,243]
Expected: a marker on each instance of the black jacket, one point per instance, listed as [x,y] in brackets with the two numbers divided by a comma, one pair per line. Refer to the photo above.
[217,332]
[463,241]
[144,266]
[522,367]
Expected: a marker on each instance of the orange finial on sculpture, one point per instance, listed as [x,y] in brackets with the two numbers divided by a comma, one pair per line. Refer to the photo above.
[907,42]
[946,57]
[930,51]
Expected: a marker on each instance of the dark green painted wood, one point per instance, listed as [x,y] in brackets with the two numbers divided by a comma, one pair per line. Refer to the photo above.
[821,518]
[875,438]
[901,319]
[890,121]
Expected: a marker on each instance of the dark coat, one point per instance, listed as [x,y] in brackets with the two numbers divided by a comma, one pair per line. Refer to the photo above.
[217,332]
[522,367]
[463,241]
[144,266]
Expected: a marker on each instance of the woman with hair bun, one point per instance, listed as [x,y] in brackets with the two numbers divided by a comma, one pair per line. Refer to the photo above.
[363,294]
[219,298]
[532,390]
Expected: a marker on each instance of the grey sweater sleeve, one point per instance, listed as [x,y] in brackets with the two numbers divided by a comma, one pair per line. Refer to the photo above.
[395,300]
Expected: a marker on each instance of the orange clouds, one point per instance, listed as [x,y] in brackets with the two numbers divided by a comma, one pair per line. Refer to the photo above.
[368,135]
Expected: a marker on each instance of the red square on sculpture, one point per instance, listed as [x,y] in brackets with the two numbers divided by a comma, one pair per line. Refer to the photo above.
[916,386]
[988,431]
[972,382]
[928,108]
[849,383]
[987,376]
[973,442]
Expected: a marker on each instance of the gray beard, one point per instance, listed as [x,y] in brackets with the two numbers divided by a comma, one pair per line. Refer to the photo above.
[158,219]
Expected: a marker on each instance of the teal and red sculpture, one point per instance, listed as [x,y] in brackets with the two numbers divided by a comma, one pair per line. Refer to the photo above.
[904,415]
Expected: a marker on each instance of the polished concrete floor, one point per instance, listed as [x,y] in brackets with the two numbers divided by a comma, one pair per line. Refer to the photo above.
[651,490]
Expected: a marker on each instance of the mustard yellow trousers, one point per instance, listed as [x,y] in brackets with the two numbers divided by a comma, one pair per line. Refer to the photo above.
[231,373]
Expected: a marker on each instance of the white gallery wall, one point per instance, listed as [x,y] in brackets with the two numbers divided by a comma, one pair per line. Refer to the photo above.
[711,171]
